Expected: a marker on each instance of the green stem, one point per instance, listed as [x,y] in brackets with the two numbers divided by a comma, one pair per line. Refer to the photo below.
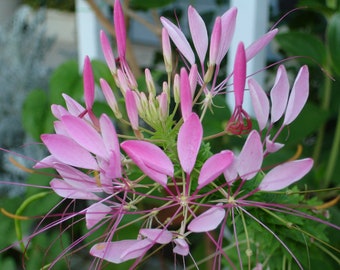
[334,154]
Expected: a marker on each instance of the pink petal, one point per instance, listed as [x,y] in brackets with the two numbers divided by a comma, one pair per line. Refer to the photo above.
[84,134]
[110,98]
[250,159]
[73,106]
[279,94]
[239,74]
[119,25]
[298,95]
[107,51]
[88,80]
[115,252]
[131,108]
[260,103]
[285,174]
[47,162]
[207,221]
[189,141]
[166,47]
[193,79]
[214,167]
[198,32]
[68,151]
[95,213]
[179,39]
[160,236]
[271,146]
[185,94]
[228,21]
[58,111]
[259,44]
[65,190]
[111,143]
[230,174]
[150,159]
[215,42]
[182,247]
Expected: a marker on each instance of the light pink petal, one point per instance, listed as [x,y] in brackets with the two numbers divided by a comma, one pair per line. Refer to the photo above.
[207,221]
[240,69]
[84,134]
[150,159]
[285,174]
[189,141]
[166,47]
[230,174]
[179,39]
[198,32]
[228,21]
[185,94]
[95,213]
[250,159]
[131,108]
[73,106]
[119,25]
[160,236]
[110,98]
[111,143]
[107,51]
[68,151]
[214,167]
[88,80]
[271,146]
[260,103]
[65,190]
[137,250]
[58,111]
[215,41]
[182,247]
[193,79]
[113,251]
[298,95]
[47,162]
[279,94]
[259,44]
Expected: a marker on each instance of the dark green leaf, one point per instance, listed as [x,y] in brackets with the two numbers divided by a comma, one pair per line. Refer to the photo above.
[333,41]
[303,45]
[34,113]
[137,4]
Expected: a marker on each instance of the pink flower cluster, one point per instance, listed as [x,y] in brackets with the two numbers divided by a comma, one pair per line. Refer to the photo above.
[116,174]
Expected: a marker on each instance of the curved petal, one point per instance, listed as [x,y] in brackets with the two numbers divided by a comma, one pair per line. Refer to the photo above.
[260,103]
[279,94]
[107,51]
[214,167]
[179,39]
[160,236]
[250,159]
[298,95]
[228,21]
[271,146]
[189,141]
[95,213]
[285,174]
[68,151]
[207,221]
[84,134]
[182,247]
[150,159]
[198,32]
[65,190]
[259,44]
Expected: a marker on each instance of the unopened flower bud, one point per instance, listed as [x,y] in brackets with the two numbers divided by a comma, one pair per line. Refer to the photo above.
[163,106]
[110,98]
[176,89]
[149,82]
[166,50]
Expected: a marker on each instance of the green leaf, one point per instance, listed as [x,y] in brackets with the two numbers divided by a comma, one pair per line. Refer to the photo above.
[65,79]
[100,70]
[137,4]
[303,44]
[34,112]
[333,41]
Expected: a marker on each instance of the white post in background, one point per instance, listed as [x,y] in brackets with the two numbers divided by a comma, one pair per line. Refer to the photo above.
[87,33]
[252,23]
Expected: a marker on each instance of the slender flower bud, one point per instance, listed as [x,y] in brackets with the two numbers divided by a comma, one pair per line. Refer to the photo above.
[239,74]
[163,108]
[88,80]
[150,83]
[131,108]
[166,50]
[185,94]
[110,98]
[107,51]
[176,89]
[123,84]
[120,29]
